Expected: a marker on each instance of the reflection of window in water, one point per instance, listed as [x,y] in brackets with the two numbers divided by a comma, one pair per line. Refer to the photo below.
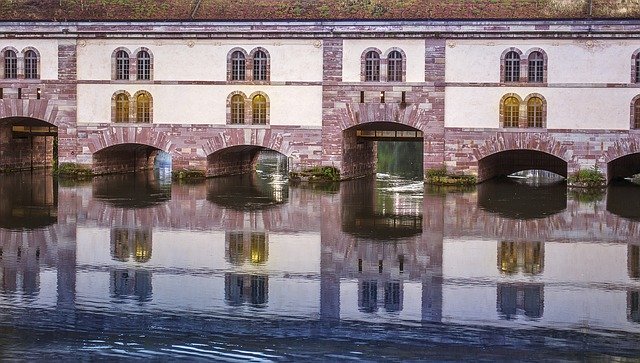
[368,301]
[251,289]
[128,283]
[633,261]
[520,299]
[526,257]
[633,306]
[393,296]
[241,247]
[20,271]
[131,242]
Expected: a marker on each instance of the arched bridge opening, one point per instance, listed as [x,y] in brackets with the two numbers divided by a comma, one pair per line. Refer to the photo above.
[27,143]
[623,167]
[129,157]
[244,159]
[508,162]
[387,146]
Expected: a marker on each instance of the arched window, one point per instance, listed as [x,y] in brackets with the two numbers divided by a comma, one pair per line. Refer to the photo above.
[10,64]
[636,114]
[30,65]
[260,66]
[637,63]
[512,67]
[259,106]
[372,66]
[394,67]
[534,112]
[122,108]
[144,65]
[511,112]
[143,108]
[536,67]
[238,66]
[122,65]
[237,109]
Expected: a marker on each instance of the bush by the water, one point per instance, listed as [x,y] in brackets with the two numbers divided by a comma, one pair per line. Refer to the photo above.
[587,178]
[187,175]
[316,174]
[73,170]
[440,176]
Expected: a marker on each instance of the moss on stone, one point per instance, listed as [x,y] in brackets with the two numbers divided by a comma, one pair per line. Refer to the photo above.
[440,176]
[317,174]
[74,171]
[188,175]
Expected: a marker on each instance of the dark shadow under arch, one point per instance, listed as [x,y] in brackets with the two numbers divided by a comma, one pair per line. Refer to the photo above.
[124,158]
[623,200]
[623,167]
[507,162]
[235,160]
[133,190]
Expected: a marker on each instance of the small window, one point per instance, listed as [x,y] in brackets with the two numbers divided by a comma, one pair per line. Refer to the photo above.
[10,64]
[260,66]
[512,67]
[237,109]
[394,67]
[536,67]
[259,105]
[534,112]
[144,65]
[30,65]
[238,65]
[143,108]
[636,114]
[372,67]
[511,110]
[122,65]
[122,108]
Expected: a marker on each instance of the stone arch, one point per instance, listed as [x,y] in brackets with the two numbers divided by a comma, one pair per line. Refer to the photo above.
[525,66]
[363,57]
[623,158]
[503,58]
[230,64]
[260,137]
[134,62]
[130,134]
[41,109]
[504,141]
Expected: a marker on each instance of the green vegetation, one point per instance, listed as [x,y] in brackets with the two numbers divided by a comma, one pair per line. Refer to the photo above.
[317,174]
[188,175]
[586,195]
[74,171]
[440,176]
[587,178]
[402,158]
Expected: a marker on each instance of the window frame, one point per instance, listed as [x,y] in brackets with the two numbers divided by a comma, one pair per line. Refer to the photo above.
[259,109]
[144,65]
[31,64]
[535,112]
[372,64]
[10,64]
[143,114]
[122,65]
[238,65]
[260,65]
[395,66]
[237,107]
[121,108]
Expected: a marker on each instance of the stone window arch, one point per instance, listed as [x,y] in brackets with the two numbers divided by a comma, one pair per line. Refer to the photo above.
[535,65]
[635,67]
[121,64]
[236,108]
[510,65]
[237,64]
[510,110]
[31,58]
[10,63]
[396,64]
[260,63]
[635,113]
[536,111]
[121,107]
[370,65]
[259,108]
[143,64]
[143,107]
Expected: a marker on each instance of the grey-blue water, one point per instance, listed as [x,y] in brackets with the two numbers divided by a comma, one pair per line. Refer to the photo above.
[250,268]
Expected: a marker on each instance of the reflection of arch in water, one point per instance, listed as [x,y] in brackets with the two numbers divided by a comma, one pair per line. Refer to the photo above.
[515,200]
[507,162]
[242,289]
[520,299]
[246,192]
[131,284]
[134,190]
[247,246]
[362,218]
[521,257]
[241,159]
[623,200]
[29,200]
[133,243]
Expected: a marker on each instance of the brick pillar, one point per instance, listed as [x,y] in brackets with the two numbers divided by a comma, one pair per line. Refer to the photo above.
[332,76]
[65,98]
[433,154]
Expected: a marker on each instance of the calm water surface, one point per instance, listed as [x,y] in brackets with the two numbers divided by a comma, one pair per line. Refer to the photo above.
[250,268]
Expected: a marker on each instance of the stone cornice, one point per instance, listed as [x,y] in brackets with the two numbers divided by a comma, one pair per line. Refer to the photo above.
[328,29]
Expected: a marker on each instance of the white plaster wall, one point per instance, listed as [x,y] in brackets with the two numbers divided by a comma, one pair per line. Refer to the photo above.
[203,104]
[569,61]
[353,48]
[48,50]
[567,108]
[206,60]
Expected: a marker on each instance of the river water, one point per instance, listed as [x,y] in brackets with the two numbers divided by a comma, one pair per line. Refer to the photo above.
[250,268]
